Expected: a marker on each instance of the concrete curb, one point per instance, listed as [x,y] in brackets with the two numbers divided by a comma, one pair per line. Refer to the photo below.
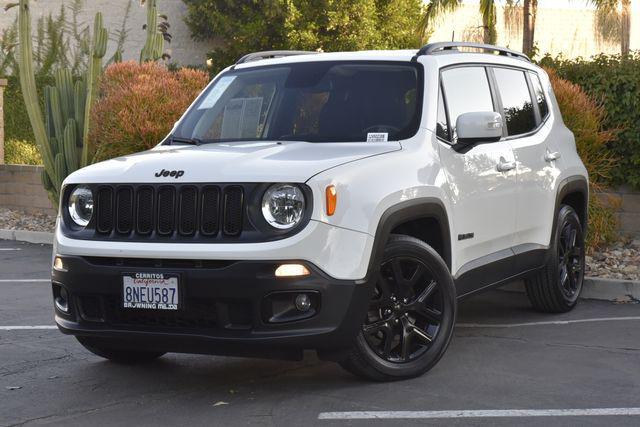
[598,288]
[38,237]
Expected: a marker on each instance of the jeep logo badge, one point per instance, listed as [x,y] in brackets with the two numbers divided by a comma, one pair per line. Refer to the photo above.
[166,173]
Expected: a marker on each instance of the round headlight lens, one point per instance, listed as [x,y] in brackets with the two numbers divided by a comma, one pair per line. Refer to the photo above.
[283,206]
[81,205]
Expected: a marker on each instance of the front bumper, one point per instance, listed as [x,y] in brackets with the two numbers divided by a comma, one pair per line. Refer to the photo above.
[225,308]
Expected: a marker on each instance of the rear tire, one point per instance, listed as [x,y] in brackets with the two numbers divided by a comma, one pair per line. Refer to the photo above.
[556,288]
[111,350]
[411,315]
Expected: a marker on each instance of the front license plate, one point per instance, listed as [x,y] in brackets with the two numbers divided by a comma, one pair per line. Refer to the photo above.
[150,291]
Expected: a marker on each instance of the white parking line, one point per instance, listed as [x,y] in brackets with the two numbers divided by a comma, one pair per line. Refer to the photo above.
[502,413]
[24,280]
[27,328]
[10,249]
[550,322]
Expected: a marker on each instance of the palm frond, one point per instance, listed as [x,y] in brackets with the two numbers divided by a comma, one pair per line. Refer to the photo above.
[434,10]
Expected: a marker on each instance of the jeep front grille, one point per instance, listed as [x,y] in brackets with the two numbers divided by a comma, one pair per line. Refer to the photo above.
[169,211]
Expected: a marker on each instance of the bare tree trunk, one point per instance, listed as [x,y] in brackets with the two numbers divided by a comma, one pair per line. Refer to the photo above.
[625,27]
[529,12]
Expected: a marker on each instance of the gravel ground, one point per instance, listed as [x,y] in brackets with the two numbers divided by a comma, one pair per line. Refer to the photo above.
[16,220]
[620,261]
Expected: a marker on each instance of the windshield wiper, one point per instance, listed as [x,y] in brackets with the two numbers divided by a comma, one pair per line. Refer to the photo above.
[192,141]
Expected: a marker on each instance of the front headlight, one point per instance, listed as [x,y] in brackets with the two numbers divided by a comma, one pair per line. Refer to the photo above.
[283,206]
[81,205]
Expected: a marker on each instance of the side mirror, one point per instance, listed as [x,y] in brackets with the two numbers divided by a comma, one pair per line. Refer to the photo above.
[478,127]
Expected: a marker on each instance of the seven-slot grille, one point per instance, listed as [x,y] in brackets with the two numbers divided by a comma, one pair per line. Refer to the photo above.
[167,211]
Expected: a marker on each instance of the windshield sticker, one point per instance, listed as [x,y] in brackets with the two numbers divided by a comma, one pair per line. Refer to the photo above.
[216,92]
[377,137]
[241,118]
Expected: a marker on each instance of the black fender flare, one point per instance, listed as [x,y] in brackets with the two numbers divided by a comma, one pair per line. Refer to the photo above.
[426,207]
[572,184]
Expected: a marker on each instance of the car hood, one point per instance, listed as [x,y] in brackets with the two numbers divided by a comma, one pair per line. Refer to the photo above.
[287,161]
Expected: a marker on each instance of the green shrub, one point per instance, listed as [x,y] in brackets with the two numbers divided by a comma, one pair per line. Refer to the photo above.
[241,27]
[16,120]
[614,81]
[18,152]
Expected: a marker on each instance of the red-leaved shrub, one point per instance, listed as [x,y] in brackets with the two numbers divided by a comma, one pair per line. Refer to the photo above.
[137,105]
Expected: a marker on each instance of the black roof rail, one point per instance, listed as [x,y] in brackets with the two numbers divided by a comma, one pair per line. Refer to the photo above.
[256,56]
[432,48]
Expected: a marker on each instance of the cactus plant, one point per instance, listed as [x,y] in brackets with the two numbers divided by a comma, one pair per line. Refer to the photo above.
[98,50]
[154,44]
[61,135]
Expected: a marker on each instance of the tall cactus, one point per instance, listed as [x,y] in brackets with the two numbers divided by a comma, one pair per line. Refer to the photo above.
[98,50]
[154,44]
[30,94]
[62,132]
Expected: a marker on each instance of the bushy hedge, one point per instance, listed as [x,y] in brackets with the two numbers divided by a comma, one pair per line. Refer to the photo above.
[16,120]
[615,82]
[18,152]
[137,106]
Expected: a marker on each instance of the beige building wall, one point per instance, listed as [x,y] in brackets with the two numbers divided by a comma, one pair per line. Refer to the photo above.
[569,31]
[182,49]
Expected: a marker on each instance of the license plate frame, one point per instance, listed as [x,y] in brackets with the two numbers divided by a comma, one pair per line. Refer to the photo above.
[169,281]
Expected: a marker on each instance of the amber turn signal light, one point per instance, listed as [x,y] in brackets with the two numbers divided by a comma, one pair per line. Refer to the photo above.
[332,199]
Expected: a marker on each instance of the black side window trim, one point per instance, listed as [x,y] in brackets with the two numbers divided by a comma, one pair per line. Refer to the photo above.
[446,113]
[530,76]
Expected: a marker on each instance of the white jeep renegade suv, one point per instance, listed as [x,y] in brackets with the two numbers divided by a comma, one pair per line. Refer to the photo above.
[338,202]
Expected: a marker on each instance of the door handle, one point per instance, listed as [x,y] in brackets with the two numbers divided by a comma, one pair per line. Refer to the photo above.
[505,166]
[550,157]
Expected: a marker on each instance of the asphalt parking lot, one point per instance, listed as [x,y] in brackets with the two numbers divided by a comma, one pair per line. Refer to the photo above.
[507,365]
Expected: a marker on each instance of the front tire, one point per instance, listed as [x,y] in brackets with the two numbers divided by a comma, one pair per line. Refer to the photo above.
[411,314]
[111,350]
[556,288]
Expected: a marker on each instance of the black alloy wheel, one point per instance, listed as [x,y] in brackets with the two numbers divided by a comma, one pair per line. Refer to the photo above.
[410,317]
[406,312]
[556,286]
[570,259]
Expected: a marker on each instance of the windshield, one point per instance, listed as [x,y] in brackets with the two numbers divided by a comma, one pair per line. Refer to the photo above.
[312,101]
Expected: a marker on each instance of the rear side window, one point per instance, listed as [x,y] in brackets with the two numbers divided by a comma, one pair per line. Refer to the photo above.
[467,90]
[541,99]
[516,101]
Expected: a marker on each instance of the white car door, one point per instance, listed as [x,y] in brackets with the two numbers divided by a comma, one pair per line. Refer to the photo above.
[529,129]
[481,182]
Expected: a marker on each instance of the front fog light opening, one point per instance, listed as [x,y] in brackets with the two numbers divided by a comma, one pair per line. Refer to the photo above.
[292,270]
[61,299]
[290,306]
